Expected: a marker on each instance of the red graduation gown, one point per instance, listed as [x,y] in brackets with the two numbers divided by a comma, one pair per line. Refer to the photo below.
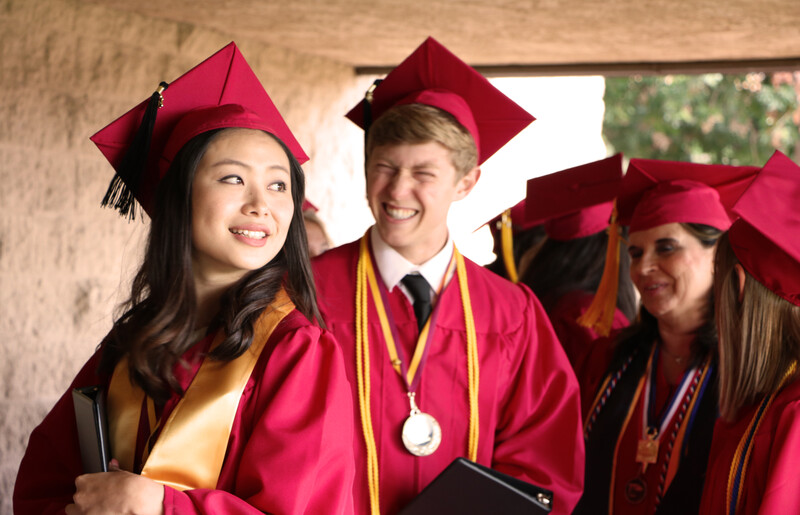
[772,480]
[530,424]
[290,445]
[575,338]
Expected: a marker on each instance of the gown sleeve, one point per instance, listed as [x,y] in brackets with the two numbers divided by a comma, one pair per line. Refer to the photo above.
[46,477]
[539,435]
[782,489]
[299,456]
[290,450]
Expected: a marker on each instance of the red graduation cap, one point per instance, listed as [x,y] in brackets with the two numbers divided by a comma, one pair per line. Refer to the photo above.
[434,76]
[222,91]
[576,202]
[657,192]
[519,222]
[766,239]
[307,205]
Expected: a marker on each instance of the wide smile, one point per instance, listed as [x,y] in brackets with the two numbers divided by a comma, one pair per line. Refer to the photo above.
[399,214]
[255,235]
[252,237]
[653,288]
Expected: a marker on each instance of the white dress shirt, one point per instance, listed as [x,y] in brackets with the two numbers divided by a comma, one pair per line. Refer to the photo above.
[393,267]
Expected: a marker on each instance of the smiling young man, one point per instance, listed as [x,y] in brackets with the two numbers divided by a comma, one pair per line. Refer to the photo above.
[445,358]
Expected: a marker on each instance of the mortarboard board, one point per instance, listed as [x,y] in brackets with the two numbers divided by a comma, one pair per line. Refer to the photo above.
[576,202]
[655,192]
[434,76]
[221,92]
[766,237]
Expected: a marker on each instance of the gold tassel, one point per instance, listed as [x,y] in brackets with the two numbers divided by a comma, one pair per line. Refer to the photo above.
[507,239]
[600,314]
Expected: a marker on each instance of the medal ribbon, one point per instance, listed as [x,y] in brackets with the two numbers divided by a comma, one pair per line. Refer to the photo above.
[650,394]
[741,458]
[205,413]
[366,281]
[684,426]
[409,372]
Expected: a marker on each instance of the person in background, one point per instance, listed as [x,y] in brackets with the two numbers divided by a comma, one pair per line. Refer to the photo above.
[648,427]
[318,240]
[222,396]
[512,236]
[564,271]
[447,359]
[752,467]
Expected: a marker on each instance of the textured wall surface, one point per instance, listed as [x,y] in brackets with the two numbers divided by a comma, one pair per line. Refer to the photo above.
[66,69]
[497,32]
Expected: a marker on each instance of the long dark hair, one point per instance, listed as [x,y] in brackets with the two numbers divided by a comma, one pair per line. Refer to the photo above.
[644,331]
[560,267]
[156,327]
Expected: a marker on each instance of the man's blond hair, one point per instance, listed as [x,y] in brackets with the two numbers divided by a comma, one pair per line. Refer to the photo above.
[420,123]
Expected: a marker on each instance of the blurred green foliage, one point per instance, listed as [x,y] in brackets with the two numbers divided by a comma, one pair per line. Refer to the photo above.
[710,118]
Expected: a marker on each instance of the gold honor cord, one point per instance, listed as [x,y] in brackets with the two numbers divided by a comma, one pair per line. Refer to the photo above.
[742,456]
[507,240]
[204,414]
[362,377]
[366,282]
[473,370]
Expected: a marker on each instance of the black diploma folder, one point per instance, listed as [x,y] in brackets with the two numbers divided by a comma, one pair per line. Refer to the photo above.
[467,488]
[90,417]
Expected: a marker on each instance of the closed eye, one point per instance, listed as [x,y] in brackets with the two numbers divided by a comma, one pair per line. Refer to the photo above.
[383,168]
[666,246]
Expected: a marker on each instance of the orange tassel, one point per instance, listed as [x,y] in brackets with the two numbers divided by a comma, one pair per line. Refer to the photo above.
[600,314]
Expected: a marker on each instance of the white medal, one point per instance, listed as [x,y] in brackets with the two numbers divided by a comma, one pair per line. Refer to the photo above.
[421,432]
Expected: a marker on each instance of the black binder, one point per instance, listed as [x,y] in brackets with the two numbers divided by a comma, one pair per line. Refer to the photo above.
[90,417]
[468,488]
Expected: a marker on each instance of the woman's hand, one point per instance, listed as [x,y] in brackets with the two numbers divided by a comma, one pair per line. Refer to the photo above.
[116,491]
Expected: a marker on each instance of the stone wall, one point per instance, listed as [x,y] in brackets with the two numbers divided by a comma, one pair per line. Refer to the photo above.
[66,69]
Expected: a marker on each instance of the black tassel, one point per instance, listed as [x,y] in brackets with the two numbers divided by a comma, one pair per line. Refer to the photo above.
[125,184]
[367,102]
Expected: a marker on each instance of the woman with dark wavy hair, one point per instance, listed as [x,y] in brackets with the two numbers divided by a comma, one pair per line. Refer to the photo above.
[565,270]
[648,427]
[752,467]
[222,395]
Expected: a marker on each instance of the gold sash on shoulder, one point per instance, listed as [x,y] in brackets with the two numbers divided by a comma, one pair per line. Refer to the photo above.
[191,447]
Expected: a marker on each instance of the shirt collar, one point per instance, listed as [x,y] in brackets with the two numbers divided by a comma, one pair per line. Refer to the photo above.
[393,267]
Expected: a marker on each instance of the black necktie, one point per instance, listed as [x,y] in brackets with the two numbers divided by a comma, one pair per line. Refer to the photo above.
[421,291]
